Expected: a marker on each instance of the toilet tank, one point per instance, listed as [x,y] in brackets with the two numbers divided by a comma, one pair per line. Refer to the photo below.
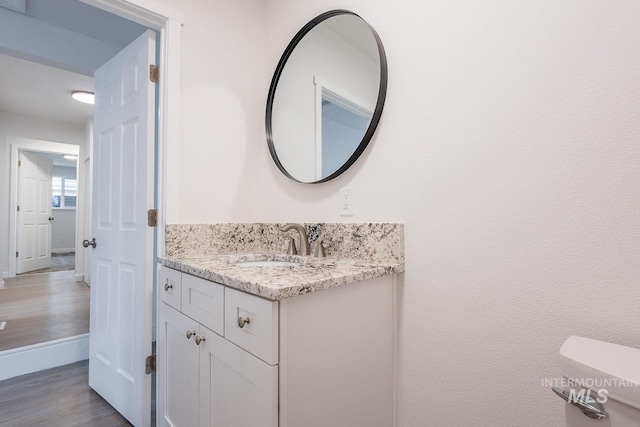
[608,373]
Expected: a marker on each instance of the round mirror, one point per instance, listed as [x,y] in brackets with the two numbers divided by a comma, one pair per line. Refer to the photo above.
[326,97]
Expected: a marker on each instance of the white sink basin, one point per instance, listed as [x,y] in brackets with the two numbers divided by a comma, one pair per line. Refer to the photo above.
[266,263]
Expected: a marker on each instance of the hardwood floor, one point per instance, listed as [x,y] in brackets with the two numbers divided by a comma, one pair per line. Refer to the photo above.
[43,307]
[40,308]
[58,397]
[59,262]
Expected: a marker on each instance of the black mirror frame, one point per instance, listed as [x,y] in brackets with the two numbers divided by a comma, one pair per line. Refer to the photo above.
[377,113]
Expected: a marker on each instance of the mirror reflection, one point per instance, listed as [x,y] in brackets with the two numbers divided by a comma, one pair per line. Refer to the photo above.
[326,97]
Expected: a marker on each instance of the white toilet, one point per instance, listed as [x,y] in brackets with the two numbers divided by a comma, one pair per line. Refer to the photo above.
[606,383]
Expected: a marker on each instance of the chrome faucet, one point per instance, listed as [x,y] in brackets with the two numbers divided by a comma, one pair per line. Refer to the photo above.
[304,240]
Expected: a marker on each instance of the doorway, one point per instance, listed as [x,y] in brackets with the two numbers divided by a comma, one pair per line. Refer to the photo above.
[53,197]
[167,23]
[20,238]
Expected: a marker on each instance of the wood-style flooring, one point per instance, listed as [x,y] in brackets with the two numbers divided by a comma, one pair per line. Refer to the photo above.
[58,397]
[43,307]
[59,262]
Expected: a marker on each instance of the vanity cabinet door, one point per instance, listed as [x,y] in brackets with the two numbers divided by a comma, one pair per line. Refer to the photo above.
[178,358]
[236,388]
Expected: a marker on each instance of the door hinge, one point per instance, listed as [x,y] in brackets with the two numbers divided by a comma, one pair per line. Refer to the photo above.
[18,208]
[17,254]
[150,364]
[154,73]
[19,163]
[152,217]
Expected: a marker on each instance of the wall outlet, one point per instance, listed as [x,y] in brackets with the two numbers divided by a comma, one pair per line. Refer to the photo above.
[346,201]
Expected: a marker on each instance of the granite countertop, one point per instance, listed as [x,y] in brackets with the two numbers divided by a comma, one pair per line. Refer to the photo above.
[277,283]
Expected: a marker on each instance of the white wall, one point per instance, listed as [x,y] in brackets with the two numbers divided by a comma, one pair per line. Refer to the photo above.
[212,173]
[27,127]
[63,231]
[508,147]
[65,172]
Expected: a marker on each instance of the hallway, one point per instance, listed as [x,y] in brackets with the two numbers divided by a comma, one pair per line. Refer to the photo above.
[42,307]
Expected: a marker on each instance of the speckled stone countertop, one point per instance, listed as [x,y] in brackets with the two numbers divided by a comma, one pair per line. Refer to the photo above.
[276,283]
[375,250]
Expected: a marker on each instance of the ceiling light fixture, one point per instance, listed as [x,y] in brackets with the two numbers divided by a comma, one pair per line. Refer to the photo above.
[70,157]
[83,96]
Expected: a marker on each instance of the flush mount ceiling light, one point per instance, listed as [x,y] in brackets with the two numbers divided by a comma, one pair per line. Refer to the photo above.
[83,96]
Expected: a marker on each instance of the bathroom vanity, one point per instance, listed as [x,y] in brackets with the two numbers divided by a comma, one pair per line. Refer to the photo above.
[289,341]
[251,337]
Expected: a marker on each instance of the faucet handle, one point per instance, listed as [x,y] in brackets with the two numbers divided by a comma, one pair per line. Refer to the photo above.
[304,238]
[291,247]
[319,253]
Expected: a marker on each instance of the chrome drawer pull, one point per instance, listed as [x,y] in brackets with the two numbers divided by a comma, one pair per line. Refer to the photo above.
[199,340]
[243,321]
[190,334]
[167,286]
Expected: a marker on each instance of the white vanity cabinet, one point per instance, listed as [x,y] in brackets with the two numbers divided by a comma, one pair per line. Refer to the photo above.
[321,359]
[214,383]
[203,379]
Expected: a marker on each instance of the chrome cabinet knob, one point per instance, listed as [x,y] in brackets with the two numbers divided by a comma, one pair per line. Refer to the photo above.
[51,218]
[199,340]
[167,286]
[243,321]
[87,243]
[190,334]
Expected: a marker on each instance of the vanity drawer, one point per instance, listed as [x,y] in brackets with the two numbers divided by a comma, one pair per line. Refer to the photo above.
[169,286]
[203,301]
[252,323]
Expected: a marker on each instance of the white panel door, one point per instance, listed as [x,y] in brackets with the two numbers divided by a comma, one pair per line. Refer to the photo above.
[122,261]
[34,201]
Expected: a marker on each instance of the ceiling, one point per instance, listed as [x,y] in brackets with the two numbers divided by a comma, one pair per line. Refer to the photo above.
[84,19]
[38,90]
[58,160]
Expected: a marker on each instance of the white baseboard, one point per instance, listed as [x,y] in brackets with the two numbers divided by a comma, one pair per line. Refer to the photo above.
[79,277]
[38,357]
[5,274]
[1,284]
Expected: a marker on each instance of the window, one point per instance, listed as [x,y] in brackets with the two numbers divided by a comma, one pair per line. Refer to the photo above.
[64,192]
